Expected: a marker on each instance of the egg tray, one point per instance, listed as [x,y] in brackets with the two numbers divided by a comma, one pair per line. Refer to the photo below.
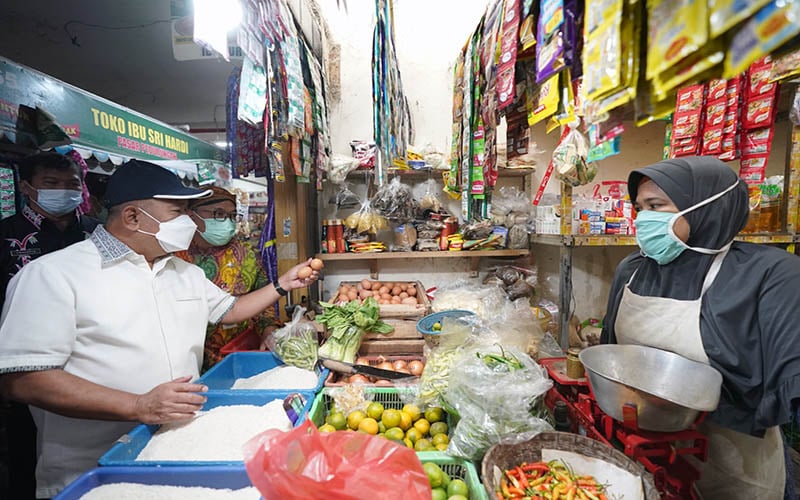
[335,379]
[422,308]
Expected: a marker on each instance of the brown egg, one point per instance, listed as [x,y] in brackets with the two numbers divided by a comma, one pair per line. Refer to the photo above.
[316,264]
[396,291]
[304,272]
[411,291]
[352,295]
[365,284]
[403,295]
[384,290]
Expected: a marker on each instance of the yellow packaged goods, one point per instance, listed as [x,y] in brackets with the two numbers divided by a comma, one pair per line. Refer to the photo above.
[691,70]
[767,30]
[725,14]
[602,59]
[545,101]
[676,28]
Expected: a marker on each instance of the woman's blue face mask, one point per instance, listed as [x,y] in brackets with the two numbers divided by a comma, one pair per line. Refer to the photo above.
[656,237]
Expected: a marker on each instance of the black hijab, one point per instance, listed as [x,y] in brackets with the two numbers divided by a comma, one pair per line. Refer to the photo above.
[750,317]
[688,181]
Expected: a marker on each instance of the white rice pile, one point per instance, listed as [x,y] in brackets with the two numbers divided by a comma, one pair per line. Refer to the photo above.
[215,435]
[136,491]
[282,377]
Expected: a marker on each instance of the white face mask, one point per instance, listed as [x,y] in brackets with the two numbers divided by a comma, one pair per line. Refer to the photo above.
[173,235]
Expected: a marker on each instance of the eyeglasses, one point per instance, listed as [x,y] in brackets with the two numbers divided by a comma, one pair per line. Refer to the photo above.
[218,214]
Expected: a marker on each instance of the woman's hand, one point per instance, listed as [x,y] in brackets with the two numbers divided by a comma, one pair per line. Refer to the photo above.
[290,281]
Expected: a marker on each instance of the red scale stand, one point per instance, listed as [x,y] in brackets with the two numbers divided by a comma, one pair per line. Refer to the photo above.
[663,454]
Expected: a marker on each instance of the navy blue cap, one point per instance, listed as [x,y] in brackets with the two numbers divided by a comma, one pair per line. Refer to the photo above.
[141,180]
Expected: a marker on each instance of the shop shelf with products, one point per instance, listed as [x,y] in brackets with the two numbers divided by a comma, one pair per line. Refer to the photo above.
[786,237]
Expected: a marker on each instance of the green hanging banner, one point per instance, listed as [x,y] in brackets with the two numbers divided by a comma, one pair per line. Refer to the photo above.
[94,122]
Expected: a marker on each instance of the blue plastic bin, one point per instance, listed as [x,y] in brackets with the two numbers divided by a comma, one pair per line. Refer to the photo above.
[125,451]
[223,375]
[209,477]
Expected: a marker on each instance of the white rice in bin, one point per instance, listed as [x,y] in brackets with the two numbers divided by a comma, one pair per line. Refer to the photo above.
[136,491]
[282,377]
[214,435]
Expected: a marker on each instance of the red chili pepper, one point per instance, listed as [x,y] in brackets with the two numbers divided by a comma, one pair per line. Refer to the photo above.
[537,466]
[523,481]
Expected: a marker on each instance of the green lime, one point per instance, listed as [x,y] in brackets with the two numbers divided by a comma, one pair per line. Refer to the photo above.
[434,474]
[457,487]
[438,428]
[439,494]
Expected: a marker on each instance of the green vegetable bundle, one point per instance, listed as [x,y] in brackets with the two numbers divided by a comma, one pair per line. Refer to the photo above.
[296,343]
[347,325]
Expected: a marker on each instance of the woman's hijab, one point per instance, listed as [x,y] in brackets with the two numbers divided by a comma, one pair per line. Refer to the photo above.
[688,181]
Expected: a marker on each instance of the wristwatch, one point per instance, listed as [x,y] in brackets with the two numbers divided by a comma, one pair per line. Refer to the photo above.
[281,291]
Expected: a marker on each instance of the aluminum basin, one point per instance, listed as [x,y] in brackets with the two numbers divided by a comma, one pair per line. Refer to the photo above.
[669,391]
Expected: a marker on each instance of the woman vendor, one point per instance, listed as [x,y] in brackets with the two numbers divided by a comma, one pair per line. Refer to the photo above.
[694,291]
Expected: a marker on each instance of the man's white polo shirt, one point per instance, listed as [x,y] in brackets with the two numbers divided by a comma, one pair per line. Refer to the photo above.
[98,311]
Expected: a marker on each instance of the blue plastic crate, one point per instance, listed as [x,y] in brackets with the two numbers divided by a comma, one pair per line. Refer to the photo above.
[223,375]
[125,451]
[209,477]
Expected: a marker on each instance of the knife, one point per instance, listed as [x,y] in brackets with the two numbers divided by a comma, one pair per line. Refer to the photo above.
[342,367]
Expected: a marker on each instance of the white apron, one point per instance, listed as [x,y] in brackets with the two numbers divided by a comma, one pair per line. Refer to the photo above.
[739,466]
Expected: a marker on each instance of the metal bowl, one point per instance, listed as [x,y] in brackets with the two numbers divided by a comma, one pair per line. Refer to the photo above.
[668,390]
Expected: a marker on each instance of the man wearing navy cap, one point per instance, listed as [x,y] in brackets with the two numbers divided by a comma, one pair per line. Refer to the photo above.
[110,331]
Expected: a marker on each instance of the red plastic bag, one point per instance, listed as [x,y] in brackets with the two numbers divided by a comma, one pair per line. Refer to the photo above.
[307,464]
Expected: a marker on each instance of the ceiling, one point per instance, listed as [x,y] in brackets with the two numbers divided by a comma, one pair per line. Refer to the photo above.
[133,66]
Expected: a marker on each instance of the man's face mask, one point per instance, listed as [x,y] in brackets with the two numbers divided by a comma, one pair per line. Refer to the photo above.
[173,235]
[58,201]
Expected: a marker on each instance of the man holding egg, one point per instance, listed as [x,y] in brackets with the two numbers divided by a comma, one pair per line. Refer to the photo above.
[109,332]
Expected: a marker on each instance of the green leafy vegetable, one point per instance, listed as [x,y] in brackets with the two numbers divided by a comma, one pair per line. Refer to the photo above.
[347,325]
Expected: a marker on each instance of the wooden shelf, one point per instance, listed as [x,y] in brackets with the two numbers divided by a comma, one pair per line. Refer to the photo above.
[421,255]
[437,174]
[372,258]
[611,240]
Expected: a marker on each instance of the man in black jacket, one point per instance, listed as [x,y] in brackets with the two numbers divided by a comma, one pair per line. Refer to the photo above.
[51,185]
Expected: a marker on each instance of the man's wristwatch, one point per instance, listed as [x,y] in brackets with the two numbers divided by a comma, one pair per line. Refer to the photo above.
[281,291]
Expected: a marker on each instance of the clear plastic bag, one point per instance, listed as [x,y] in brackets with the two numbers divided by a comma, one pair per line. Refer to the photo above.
[305,464]
[496,402]
[345,198]
[395,201]
[569,159]
[339,166]
[296,344]
[366,220]
[435,376]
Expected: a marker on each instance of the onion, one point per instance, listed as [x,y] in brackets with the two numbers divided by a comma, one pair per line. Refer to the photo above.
[362,360]
[385,366]
[358,379]
[399,364]
[416,367]
[383,383]
[403,370]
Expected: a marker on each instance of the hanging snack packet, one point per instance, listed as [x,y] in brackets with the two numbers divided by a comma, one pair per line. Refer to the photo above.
[508,54]
[677,28]
[725,14]
[757,142]
[544,102]
[550,39]
[785,66]
[767,30]
[753,170]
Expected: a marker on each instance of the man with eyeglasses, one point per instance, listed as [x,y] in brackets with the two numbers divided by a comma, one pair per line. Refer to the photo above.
[231,263]
[109,332]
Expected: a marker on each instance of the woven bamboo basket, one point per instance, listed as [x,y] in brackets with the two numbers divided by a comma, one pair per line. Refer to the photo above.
[505,456]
